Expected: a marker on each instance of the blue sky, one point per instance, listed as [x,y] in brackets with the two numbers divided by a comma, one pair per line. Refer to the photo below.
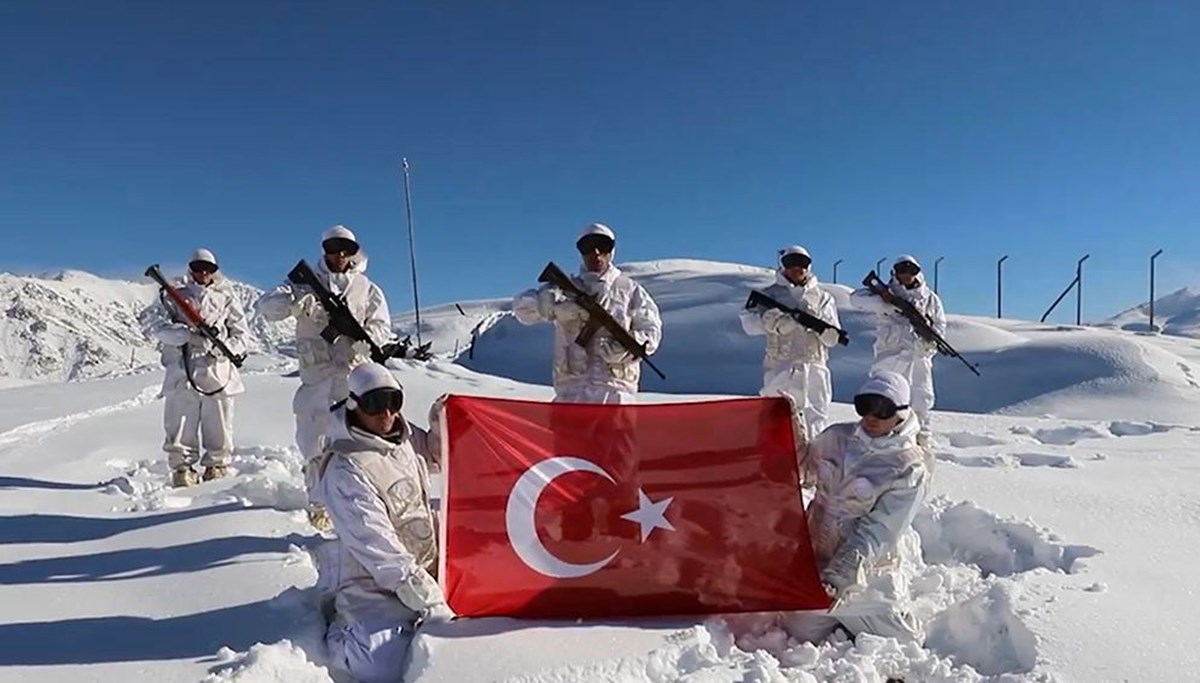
[132,132]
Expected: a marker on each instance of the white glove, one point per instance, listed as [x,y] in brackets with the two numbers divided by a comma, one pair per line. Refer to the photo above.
[420,592]
[437,614]
[928,349]
[567,312]
[546,298]
[307,306]
[777,322]
[829,337]
[434,440]
[201,343]
[611,351]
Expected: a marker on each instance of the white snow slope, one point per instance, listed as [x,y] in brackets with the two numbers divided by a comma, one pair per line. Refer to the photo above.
[1027,368]
[1056,548]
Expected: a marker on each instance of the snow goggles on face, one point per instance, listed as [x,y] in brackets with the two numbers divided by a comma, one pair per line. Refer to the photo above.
[202,267]
[339,245]
[376,401]
[875,405]
[795,261]
[593,243]
[909,268]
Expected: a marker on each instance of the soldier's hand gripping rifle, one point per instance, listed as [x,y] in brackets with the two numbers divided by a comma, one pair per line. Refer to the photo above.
[918,320]
[342,322]
[759,300]
[597,316]
[404,349]
[194,319]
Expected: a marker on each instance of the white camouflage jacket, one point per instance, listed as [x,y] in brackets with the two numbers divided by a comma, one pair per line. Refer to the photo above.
[575,366]
[791,343]
[319,360]
[220,307]
[894,334]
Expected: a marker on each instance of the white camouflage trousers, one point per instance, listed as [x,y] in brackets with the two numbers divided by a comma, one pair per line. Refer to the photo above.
[810,388]
[593,394]
[311,407]
[369,652]
[190,418]
[918,369]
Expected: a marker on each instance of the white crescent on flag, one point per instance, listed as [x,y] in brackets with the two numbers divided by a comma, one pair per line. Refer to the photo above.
[520,517]
[521,513]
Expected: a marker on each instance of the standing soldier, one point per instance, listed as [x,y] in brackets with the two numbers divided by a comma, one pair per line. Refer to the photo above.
[795,361]
[603,371]
[200,381]
[324,366]
[898,348]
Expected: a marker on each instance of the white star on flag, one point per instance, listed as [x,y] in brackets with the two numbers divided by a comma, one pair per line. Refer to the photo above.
[650,515]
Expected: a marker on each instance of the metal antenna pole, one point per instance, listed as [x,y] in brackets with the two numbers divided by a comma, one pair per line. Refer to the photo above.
[1000,286]
[1156,255]
[1079,289]
[412,248]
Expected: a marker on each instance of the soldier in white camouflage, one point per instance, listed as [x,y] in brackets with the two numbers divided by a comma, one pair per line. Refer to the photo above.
[604,371]
[380,572]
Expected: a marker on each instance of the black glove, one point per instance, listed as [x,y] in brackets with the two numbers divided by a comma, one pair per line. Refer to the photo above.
[422,352]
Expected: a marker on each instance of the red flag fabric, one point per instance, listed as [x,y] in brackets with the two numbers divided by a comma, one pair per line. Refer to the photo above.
[561,510]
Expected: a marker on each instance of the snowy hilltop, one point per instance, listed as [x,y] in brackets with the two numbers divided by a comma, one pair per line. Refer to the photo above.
[1177,314]
[1058,543]
[73,325]
[1028,368]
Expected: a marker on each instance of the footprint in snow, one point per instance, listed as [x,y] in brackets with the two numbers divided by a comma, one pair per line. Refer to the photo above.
[1009,460]
[1063,436]
[969,440]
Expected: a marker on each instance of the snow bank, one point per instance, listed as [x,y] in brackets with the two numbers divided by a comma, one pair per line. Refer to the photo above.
[963,533]
[1028,368]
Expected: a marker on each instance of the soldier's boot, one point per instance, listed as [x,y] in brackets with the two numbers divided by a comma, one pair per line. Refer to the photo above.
[184,477]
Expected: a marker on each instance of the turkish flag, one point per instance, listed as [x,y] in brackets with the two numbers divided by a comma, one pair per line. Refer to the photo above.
[568,510]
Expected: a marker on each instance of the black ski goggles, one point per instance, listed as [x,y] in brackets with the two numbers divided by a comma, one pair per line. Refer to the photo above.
[875,405]
[376,401]
[340,245]
[795,261]
[907,268]
[202,267]
[595,243]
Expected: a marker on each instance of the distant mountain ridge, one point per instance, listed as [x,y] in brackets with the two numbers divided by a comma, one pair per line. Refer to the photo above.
[73,325]
[1177,313]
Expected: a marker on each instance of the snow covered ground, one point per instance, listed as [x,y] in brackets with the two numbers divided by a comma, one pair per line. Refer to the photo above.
[1060,543]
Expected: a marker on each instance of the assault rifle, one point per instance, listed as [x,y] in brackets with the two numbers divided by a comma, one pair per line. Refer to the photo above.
[343,323]
[918,320]
[759,300]
[597,316]
[193,316]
